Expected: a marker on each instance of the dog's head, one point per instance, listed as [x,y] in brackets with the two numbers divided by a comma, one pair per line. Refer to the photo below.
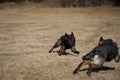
[69,39]
[104,41]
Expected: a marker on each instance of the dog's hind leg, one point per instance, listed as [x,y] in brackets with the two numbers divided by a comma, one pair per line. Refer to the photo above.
[89,69]
[73,49]
[117,58]
[57,44]
[79,66]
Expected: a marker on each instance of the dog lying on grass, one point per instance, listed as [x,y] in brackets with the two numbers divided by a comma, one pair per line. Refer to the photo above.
[66,41]
[106,51]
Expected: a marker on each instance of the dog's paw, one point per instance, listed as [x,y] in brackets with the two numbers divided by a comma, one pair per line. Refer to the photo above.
[88,73]
[50,51]
[59,54]
[75,72]
[77,52]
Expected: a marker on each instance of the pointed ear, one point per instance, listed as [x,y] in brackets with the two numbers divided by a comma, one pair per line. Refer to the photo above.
[100,40]
[72,34]
[65,34]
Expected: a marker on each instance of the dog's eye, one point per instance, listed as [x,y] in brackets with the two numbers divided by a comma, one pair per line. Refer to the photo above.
[72,39]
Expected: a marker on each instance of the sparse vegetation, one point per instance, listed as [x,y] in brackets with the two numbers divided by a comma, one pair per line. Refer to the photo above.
[27,33]
[72,3]
[18,1]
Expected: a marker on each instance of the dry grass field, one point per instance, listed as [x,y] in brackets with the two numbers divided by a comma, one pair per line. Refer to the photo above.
[27,34]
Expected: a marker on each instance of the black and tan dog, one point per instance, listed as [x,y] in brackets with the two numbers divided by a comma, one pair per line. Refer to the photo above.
[66,41]
[106,51]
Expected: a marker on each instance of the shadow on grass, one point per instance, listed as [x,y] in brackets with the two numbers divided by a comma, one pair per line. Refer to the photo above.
[103,68]
[65,53]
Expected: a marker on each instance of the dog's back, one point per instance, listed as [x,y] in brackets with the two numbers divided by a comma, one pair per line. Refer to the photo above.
[111,48]
[107,49]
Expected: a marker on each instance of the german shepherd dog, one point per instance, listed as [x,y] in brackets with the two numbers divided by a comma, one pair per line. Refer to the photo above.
[66,41]
[106,51]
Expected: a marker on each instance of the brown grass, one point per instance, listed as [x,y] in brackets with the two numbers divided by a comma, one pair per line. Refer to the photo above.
[27,34]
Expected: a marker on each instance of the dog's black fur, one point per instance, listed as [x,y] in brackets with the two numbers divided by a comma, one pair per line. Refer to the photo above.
[106,49]
[66,41]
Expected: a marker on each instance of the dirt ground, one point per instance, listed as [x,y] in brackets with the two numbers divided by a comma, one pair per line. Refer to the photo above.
[27,34]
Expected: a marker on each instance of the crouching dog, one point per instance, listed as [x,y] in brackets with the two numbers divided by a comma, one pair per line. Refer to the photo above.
[66,41]
[106,51]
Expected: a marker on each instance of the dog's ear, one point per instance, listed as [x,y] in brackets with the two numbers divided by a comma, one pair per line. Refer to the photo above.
[65,34]
[100,41]
[101,38]
[72,34]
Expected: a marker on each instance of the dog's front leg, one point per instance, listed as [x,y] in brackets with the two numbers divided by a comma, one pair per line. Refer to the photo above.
[73,49]
[62,49]
[57,44]
[79,66]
